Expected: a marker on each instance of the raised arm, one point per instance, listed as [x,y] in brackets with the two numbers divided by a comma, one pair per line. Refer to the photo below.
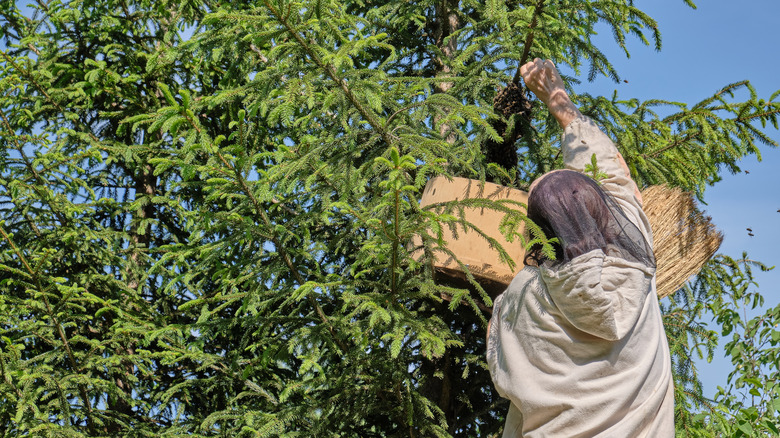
[581,138]
[600,295]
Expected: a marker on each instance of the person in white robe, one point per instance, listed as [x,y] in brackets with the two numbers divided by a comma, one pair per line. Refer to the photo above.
[577,343]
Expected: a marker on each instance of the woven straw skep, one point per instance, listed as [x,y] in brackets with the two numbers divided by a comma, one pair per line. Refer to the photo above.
[683,237]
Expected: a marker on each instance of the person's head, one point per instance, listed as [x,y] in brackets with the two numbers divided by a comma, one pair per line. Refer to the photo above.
[572,207]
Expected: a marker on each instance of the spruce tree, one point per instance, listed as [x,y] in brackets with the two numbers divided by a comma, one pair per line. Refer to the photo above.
[207,211]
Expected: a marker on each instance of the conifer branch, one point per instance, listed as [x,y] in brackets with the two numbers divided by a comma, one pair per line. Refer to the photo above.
[692,136]
[19,254]
[55,321]
[8,380]
[36,175]
[529,39]
[274,238]
[396,242]
[59,108]
[757,115]
[331,72]
[677,142]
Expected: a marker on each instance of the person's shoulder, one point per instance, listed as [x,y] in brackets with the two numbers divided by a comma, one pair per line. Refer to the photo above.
[527,273]
[528,276]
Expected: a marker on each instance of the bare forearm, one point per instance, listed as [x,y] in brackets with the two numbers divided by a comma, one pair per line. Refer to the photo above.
[562,108]
[542,78]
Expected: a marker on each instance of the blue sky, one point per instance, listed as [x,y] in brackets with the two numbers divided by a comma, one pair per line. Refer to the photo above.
[703,50]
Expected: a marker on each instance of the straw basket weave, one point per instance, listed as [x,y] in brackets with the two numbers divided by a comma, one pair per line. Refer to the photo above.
[683,237]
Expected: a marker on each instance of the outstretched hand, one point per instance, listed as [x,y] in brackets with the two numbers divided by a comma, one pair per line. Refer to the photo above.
[543,79]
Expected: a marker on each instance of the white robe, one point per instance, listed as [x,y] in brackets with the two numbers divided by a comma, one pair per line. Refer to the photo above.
[580,350]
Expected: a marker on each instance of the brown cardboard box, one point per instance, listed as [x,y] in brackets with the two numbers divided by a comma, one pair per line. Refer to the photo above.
[472,249]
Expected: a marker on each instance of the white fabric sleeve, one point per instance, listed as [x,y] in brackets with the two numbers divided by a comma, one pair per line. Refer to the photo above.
[581,139]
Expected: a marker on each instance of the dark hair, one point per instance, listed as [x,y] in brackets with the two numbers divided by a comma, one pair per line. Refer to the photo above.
[573,207]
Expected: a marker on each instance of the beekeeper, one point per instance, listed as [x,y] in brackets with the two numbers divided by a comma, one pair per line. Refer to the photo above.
[577,343]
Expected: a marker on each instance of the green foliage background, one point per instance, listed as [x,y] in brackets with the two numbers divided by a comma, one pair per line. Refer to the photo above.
[206,212]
